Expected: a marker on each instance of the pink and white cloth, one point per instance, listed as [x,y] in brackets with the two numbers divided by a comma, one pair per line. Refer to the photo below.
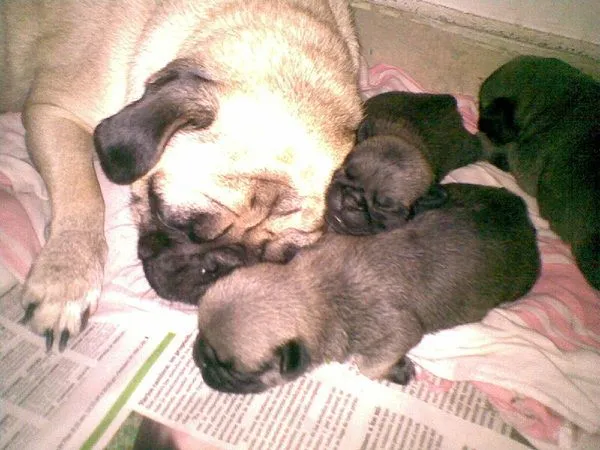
[24,205]
[537,359]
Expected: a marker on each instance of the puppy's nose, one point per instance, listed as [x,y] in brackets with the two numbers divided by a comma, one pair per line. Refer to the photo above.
[353,198]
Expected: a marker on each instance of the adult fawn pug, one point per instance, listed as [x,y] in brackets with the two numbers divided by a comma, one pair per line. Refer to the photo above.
[227,117]
[370,298]
[543,116]
[406,144]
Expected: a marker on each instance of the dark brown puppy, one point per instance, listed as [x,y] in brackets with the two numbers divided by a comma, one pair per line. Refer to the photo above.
[406,143]
[371,297]
[543,116]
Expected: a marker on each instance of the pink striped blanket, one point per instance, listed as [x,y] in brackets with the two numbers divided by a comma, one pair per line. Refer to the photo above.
[537,359]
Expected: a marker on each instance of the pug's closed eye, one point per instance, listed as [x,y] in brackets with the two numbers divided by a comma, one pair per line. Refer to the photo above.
[198,226]
[151,244]
[223,260]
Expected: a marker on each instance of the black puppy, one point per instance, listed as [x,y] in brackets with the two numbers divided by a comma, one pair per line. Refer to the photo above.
[405,145]
[543,116]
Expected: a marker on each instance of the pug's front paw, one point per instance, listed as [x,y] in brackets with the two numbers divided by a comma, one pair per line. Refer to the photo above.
[63,285]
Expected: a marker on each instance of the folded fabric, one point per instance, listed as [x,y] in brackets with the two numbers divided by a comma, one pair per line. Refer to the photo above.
[25,205]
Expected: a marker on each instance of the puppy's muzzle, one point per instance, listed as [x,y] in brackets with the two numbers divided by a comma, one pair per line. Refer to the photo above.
[220,375]
[288,362]
[350,212]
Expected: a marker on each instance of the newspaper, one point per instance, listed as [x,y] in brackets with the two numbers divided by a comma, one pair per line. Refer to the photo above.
[127,379]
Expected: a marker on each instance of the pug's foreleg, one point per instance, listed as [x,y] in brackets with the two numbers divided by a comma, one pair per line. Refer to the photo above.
[63,285]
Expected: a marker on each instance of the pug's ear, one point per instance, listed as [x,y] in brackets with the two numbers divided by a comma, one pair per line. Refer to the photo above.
[293,359]
[131,142]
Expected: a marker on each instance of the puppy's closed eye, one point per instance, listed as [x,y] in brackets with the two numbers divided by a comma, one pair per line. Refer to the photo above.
[352,173]
[389,212]
[384,202]
[294,359]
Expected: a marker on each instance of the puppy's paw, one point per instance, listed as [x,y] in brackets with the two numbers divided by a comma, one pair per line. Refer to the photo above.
[402,372]
[63,285]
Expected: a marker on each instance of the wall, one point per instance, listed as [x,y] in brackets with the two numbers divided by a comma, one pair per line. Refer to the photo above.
[574,19]
[446,51]
[577,19]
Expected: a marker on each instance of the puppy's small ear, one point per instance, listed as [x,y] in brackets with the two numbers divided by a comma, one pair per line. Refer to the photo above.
[294,359]
[435,197]
[131,142]
[497,121]
[366,129]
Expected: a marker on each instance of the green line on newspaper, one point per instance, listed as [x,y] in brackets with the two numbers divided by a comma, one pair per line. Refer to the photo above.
[127,392]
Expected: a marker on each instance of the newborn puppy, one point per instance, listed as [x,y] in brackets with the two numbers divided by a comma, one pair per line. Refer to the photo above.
[543,117]
[369,298]
[406,143]
[380,183]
